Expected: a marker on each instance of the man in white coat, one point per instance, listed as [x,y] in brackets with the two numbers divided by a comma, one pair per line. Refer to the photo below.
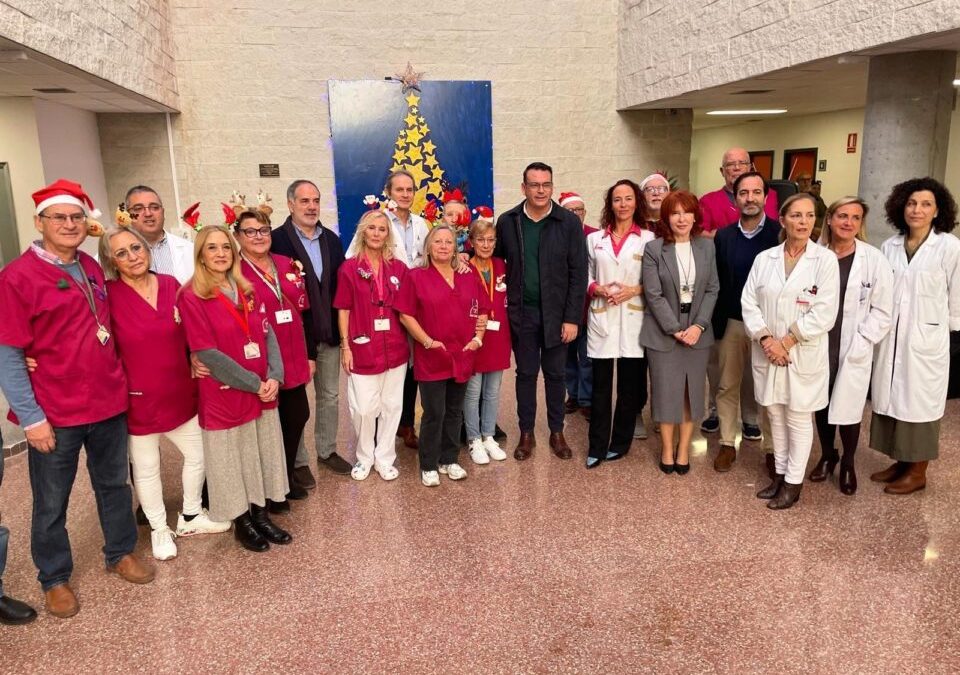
[169,254]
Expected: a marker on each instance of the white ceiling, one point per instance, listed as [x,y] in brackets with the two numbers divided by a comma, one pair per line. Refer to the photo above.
[836,83]
[23,71]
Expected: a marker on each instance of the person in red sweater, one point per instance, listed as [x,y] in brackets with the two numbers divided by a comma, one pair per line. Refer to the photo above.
[718,208]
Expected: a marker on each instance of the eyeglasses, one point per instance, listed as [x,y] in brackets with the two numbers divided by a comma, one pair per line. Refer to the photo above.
[251,233]
[60,219]
[656,190]
[578,209]
[738,164]
[135,251]
[140,208]
[539,186]
[486,240]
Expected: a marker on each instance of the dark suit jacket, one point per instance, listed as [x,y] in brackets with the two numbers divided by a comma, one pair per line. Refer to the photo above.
[320,321]
[661,290]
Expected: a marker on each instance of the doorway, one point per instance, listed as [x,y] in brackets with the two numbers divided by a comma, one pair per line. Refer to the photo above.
[9,241]
[799,161]
[763,163]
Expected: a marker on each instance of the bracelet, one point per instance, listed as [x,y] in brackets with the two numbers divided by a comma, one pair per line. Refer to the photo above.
[427,344]
[477,340]
[765,337]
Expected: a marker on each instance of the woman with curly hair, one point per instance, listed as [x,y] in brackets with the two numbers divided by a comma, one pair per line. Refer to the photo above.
[909,385]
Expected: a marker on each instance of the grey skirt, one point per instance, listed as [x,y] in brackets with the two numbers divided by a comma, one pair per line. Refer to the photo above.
[671,373]
[905,441]
[245,465]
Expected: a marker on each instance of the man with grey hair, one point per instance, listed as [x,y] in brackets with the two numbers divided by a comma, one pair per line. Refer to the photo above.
[169,254]
[318,249]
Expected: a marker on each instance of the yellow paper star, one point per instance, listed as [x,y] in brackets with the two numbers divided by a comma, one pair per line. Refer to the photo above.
[414,154]
[430,161]
[414,136]
[437,172]
[396,167]
[424,129]
[429,146]
[419,175]
[410,120]
[399,155]
[412,99]
[435,188]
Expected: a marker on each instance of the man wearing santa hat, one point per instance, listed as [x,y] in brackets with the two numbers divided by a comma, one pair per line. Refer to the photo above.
[579,368]
[55,311]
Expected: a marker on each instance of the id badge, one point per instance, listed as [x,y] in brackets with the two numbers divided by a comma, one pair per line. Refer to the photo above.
[803,305]
[103,335]
[251,350]
[381,325]
[284,316]
[493,325]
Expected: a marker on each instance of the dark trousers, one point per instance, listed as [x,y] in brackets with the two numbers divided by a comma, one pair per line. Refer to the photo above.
[532,356]
[629,395]
[409,400]
[294,410]
[51,479]
[827,433]
[440,425]
[579,370]
[4,532]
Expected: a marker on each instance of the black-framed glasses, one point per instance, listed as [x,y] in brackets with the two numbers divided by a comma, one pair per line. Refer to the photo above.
[538,186]
[251,232]
[140,208]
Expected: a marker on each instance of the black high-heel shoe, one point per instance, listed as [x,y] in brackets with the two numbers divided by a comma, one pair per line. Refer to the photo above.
[667,468]
[681,469]
[823,469]
[848,480]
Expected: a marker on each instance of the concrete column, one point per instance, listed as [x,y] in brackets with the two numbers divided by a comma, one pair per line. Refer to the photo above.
[906,125]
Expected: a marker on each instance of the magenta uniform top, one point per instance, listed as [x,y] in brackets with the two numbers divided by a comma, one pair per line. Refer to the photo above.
[448,315]
[284,312]
[494,355]
[717,209]
[211,325]
[153,349]
[79,379]
[369,300]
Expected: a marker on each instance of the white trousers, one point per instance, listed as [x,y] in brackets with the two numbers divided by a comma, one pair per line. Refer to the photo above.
[373,397]
[792,439]
[145,457]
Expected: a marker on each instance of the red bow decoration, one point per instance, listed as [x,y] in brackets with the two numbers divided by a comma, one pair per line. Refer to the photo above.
[192,216]
[483,212]
[454,195]
[463,219]
[430,212]
[229,215]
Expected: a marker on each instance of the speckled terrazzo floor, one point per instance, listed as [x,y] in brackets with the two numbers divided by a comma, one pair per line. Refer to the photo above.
[540,567]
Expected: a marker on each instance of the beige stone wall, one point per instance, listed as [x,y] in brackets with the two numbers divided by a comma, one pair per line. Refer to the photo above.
[127,42]
[670,47]
[253,82]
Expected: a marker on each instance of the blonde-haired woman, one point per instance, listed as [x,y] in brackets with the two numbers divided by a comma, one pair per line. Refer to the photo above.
[442,311]
[863,319]
[228,331]
[373,349]
[152,347]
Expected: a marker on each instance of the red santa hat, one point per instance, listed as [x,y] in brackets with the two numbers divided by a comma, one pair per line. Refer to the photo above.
[64,192]
[567,198]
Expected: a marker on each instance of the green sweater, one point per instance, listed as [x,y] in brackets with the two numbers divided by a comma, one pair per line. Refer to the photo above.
[531,260]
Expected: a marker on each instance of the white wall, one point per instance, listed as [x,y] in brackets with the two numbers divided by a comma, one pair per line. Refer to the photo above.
[827,132]
[20,147]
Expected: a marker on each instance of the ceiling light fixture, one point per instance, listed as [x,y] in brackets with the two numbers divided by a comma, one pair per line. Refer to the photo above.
[956,83]
[771,111]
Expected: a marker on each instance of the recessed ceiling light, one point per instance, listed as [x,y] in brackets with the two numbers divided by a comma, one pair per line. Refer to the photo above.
[956,83]
[771,111]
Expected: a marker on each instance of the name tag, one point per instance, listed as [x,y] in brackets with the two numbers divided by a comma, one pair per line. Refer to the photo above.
[493,325]
[381,324]
[251,350]
[284,316]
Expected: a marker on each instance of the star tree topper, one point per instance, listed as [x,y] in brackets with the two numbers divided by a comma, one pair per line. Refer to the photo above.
[410,78]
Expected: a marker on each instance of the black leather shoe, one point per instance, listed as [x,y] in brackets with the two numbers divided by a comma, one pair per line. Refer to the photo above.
[848,480]
[773,489]
[248,535]
[335,463]
[296,491]
[278,507]
[788,496]
[267,528]
[667,468]
[823,469]
[499,435]
[15,613]
[681,469]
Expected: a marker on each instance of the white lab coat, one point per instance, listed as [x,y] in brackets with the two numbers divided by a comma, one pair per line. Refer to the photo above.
[181,250]
[420,231]
[614,330]
[912,364]
[806,303]
[866,309]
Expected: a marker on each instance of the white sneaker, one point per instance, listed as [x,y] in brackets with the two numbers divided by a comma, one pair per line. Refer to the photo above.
[478,452]
[163,546]
[453,471]
[359,471]
[201,524]
[387,472]
[493,449]
[640,431]
[430,478]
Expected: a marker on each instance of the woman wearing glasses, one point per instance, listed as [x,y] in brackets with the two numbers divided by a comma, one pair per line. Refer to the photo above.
[278,282]
[150,339]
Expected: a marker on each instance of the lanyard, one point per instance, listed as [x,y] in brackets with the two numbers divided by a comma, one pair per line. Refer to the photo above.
[268,279]
[487,287]
[378,277]
[88,295]
[242,321]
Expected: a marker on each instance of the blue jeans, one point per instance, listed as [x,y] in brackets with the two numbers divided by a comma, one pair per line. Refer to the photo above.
[579,370]
[4,532]
[51,479]
[481,420]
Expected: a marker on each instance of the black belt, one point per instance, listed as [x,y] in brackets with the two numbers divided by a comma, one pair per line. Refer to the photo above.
[685,307]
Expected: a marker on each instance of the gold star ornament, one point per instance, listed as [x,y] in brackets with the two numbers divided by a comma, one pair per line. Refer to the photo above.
[409,78]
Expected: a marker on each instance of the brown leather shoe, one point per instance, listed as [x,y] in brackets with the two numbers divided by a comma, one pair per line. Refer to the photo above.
[61,602]
[891,473]
[304,477]
[585,411]
[788,495]
[409,436]
[913,479]
[133,570]
[725,458]
[525,446]
[771,463]
[559,445]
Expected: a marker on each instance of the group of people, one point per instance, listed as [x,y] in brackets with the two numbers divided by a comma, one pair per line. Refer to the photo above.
[212,343]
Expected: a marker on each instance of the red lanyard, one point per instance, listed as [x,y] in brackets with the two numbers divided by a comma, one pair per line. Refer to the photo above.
[242,321]
[269,280]
[486,287]
[377,279]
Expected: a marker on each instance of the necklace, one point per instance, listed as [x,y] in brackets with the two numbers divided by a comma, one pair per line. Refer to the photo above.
[794,255]
[844,252]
